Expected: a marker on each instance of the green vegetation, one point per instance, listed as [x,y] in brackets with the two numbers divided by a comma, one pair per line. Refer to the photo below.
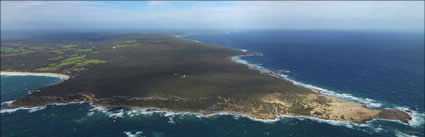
[56,58]
[123,46]
[156,41]
[10,50]
[56,51]
[88,62]
[47,69]
[317,113]
[67,46]
[75,61]
[48,55]
[46,47]
[84,50]
[39,48]
[14,44]
[127,43]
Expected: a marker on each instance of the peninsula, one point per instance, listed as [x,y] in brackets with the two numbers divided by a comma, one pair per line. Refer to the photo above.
[151,70]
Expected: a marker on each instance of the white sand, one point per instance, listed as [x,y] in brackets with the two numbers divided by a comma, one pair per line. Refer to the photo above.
[61,76]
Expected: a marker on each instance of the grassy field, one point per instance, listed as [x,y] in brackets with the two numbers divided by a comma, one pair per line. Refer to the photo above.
[48,55]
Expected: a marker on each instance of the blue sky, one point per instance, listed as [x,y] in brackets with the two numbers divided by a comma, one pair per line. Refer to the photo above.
[357,15]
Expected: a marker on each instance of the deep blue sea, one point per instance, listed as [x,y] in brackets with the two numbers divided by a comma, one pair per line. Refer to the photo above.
[380,69]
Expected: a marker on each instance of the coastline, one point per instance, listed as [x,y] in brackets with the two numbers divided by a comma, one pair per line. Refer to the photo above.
[268,118]
[415,118]
[16,73]
[318,90]
[273,117]
[236,59]
[252,66]
[369,103]
[135,110]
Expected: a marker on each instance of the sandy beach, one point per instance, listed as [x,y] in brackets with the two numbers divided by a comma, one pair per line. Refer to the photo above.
[61,76]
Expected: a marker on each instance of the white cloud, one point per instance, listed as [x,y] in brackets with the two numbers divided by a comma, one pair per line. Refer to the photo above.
[256,15]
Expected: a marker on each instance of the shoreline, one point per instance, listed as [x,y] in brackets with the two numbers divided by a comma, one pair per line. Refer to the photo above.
[318,90]
[369,103]
[234,59]
[16,73]
[411,113]
[104,108]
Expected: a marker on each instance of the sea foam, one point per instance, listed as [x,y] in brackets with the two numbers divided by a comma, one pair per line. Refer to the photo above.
[30,110]
[7,102]
[367,101]
[401,134]
[130,134]
[131,112]
[417,118]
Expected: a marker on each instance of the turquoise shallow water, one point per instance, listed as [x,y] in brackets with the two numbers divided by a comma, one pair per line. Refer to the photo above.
[83,119]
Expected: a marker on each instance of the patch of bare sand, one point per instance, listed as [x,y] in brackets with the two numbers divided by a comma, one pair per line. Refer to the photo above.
[274,99]
[339,109]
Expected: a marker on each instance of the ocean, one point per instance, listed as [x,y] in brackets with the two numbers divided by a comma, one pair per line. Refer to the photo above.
[380,69]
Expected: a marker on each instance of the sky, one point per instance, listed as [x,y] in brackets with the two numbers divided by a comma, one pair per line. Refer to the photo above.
[353,15]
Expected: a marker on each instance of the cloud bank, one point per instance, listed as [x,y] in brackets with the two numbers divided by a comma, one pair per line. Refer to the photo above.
[376,15]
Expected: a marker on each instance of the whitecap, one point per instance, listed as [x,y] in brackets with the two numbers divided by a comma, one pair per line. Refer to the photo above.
[378,129]
[7,102]
[131,112]
[171,115]
[116,114]
[171,120]
[33,109]
[121,112]
[130,134]
[63,104]
[418,119]
[367,101]
[30,110]
[347,124]
[90,114]
[401,134]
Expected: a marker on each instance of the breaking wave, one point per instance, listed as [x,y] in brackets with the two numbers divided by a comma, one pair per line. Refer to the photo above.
[369,102]
[417,118]
[7,103]
[130,134]
[132,112]
[401,134]
[13,110]
[30,109]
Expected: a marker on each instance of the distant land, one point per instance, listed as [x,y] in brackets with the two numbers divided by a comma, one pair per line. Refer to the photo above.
[162,71]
